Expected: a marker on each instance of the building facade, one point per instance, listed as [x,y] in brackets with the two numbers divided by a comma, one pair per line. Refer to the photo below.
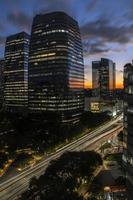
[16,72]
[2,64]
[103,78]
[96,78]
[56,70]
[128,127]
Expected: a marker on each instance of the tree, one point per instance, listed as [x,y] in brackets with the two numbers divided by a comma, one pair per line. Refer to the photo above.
[62,176]
[120,136]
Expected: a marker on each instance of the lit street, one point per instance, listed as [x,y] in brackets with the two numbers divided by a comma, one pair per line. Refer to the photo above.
[66,100]
[16,185]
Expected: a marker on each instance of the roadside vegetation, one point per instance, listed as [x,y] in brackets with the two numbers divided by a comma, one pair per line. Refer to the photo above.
[114,157]
[64,177]
[42,137]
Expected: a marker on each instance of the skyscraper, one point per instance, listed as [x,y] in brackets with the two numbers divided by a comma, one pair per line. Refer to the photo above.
[56,70]
[103,78]
[96,77]
[2,63]
[128,127]
[16,72]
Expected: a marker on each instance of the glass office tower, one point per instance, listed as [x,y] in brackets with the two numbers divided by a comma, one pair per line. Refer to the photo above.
[128,127]
[96,78]
[16,72]
[103,78]
[56,70]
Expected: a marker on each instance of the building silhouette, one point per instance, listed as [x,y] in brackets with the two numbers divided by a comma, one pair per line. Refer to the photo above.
[128,127]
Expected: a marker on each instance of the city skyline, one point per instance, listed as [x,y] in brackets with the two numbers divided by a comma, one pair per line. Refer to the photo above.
[105,32]
[66,93]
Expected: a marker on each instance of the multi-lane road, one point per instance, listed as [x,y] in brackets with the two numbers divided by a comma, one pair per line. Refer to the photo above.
[12,188]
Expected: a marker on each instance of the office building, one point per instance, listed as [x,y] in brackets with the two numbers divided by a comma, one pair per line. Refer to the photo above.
[2,63]
[16,73]
[96,78]
[56,70]
[103,78]
[128,127]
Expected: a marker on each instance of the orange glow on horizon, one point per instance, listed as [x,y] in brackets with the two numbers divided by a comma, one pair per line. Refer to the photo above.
[119,85]
[88,85]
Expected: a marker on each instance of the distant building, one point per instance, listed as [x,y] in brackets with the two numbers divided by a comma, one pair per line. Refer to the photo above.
[119,93]
[2,64]
[103,78]
[16,72]
[56,70]
[97,105]
[96,65]
[128,127]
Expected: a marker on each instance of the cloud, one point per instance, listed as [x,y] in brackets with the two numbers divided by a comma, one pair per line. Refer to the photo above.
[96,35]
[102,28]
[2,44]
[94,47]
[99,34]
[119,71]
[54,5]
[24,21]
[92,5]
[20,19]
[2,40]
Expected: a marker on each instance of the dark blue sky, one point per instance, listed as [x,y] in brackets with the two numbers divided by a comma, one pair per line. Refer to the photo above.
[106,26]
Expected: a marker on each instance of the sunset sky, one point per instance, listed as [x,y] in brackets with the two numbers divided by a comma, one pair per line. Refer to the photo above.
[106,27]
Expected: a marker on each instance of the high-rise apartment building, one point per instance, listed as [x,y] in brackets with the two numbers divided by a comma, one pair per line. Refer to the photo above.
[2,64]
[128,127]
[16,72]
[56,70]
[103,78]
